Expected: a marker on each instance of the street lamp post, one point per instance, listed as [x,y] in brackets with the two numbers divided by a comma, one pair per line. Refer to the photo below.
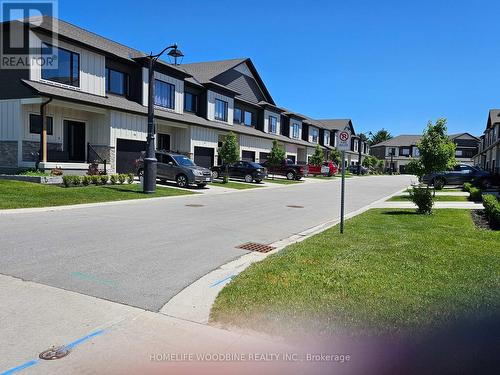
[150,162]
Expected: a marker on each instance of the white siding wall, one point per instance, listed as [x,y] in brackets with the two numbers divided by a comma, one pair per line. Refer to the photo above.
[291,149]
[309,153]
[179,136]
[204,137]
[127,126]
[10,120]
[249,143]
[92,68]
[268,113]
[211,96]
[298,122]
[179,90]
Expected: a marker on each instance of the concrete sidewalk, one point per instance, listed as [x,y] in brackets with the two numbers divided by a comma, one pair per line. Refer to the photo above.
[458,205]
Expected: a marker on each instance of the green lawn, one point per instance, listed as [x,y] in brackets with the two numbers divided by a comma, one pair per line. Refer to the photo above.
[283,181]
[392,271]
[18,194]
[236,185]
[437,198]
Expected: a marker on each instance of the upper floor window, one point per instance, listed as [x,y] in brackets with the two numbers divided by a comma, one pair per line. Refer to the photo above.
[190,102]
[273,124]
[237,115]
[66,68]
[405,151]
[36,124]
[164,94]
[315,135]
[220,110]
[116,82]
[295,131]
[248,118]
[326,139]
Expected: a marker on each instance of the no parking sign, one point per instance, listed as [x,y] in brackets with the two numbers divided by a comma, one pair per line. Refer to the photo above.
[344,143]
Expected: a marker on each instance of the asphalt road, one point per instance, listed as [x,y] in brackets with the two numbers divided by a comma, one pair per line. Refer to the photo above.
[143,253]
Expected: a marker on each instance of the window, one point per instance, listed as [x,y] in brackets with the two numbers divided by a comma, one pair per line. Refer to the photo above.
[458,153]
[66,69]
[116,82]
[273,124]
[164,94]
[36,124]
[295,131]
[237,115]
[326,139]
[314,135]
[405,151]
[220,110]
[190,102]
[248,118]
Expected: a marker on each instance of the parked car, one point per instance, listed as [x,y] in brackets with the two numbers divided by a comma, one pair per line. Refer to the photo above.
[247,170]
[288,169]
[460,174]
[354,169]
[178,168]
[328,168]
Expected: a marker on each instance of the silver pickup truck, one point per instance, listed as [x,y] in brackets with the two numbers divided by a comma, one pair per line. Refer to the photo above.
[178,168]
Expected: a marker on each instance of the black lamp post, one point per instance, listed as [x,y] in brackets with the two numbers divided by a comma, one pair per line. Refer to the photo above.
[150,162]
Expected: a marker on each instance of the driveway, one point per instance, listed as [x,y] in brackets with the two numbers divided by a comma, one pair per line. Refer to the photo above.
[143,253]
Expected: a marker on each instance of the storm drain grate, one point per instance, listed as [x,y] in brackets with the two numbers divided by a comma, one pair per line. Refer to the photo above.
[294,206]
[252,246]
[54,353]
[195,205]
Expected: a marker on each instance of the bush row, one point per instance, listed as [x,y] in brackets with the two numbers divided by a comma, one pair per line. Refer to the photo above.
[97,179]
[475,194]
[492,209]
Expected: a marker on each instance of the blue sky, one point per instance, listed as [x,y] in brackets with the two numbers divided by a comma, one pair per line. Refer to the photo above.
[392,64]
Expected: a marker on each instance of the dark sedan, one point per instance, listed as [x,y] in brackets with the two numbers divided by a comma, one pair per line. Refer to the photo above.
[459,175]
[246,170]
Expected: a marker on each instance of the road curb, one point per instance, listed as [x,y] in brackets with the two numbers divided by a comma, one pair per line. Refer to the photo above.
[194,302]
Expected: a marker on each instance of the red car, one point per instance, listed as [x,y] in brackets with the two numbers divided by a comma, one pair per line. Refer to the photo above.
[328,168]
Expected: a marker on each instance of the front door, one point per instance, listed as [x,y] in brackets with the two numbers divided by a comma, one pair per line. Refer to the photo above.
[74,144]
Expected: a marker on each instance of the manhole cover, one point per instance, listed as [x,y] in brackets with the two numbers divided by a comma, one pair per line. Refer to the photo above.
[54,353]
[252,246]
[195,205]
[294,206]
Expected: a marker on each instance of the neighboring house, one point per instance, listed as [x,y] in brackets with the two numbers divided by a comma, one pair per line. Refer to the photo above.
[488,155]
[399,151]
[97,108]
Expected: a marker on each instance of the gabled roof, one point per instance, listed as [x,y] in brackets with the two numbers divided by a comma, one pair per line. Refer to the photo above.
[203,72]
[404,140]
[337,124]
[493,117]
[458,135]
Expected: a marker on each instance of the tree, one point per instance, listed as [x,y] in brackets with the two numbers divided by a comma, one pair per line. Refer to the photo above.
[276,155]
[380,136]
[318,157]
[229,152]
[335,155]
[362,138]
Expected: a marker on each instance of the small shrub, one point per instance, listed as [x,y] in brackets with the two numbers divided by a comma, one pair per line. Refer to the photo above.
[438,184]
[95,178]
[86,180]
[492,209]
[422,197]
[475,194]
[67,181]
[103,178]
[122,178]
[130,178]
[77,180]
[467,186]
[113,179]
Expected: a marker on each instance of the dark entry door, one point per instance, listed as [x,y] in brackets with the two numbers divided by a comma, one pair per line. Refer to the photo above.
[75,140]
[163,142]
[127,152]
[204,156]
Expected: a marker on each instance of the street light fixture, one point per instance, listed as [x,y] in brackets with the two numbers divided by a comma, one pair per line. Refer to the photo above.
[150,162]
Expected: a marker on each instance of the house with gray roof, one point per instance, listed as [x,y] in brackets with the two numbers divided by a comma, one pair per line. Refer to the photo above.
[488,155]
[94,102]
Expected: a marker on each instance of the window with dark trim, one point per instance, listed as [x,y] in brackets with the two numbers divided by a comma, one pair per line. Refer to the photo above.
[295,130]
[66,67]
[164,94]
[36,124]
[117,82]
[273,124]
[190,102]
[315,135]
[248,117]
[220,110]
[237,115]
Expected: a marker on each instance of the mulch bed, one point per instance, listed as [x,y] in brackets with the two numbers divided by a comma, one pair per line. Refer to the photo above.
[481,220]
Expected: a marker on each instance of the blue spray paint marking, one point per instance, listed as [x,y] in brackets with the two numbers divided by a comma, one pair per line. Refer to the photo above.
[220,281]
[69,346]
[19,368]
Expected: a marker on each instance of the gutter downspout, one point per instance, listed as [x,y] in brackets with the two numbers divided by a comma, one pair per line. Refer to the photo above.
[43,133]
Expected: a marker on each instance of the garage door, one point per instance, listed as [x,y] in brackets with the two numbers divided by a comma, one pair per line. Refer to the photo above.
[204,156]
[248,155]
[263,156]
[127,152]
[291,157]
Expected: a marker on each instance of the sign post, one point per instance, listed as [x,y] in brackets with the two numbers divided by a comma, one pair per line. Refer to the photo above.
[344,144]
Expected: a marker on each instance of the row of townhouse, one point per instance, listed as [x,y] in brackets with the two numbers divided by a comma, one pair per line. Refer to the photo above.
[95,103]
[488,156]
[397,152]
